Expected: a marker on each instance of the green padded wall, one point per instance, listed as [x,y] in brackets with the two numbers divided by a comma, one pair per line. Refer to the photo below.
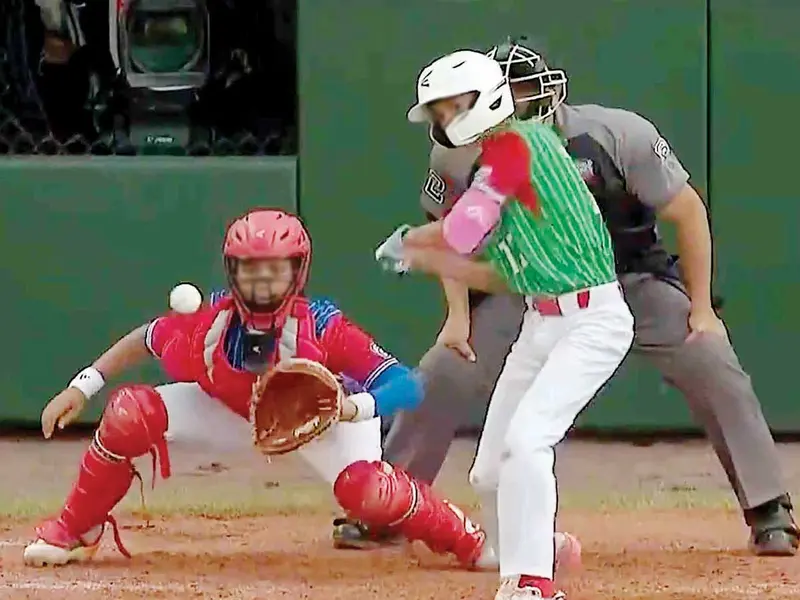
[755,52]
[362,164]
[93,246]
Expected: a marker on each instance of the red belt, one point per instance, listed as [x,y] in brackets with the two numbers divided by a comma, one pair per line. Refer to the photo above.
[549,307]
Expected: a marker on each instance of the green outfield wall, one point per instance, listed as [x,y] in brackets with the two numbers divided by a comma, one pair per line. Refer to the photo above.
[93,246]
[756,205]
[717,76]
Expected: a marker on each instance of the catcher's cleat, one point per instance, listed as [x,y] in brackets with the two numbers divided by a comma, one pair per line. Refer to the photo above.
[350,534]
[773,531]
[55,546]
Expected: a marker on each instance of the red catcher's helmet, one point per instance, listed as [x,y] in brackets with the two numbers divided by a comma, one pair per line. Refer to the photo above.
[262,234]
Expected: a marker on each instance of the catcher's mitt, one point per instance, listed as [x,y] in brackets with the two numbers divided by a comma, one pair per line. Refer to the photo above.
[294,402]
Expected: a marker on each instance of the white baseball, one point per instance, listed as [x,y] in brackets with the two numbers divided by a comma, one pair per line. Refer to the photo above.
[185,298]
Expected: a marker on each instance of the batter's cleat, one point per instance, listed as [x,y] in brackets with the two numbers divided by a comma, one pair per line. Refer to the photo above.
[568,553]
[567,559]
[773,531]
[511,590]
[350,534]
[55,546]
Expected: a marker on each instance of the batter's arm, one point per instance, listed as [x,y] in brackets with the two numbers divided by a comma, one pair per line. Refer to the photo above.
[429,235]
[447,247]
[473,274]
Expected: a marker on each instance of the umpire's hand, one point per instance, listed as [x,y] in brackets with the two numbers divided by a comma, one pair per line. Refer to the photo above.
[455,335]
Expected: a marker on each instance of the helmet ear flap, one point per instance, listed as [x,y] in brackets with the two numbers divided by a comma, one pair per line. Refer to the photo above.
[438,135]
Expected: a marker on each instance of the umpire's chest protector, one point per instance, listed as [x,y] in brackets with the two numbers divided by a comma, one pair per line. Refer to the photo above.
[213,370]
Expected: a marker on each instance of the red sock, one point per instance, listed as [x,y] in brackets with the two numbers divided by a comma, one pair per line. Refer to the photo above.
[543,584]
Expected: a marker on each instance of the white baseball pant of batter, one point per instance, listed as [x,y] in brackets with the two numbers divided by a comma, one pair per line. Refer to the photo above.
[552,372]
[200,421]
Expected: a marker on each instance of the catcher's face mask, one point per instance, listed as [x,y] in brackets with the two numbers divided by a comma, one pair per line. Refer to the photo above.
[264,283]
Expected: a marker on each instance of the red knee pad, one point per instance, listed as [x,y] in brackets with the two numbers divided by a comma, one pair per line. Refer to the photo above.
[383,496]
[374,493]
[134,423]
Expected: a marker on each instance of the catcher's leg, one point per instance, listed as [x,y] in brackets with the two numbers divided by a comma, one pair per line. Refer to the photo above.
[329,455]
[198,421]
[132,425]
[418,441]
[343,444]
[386,497]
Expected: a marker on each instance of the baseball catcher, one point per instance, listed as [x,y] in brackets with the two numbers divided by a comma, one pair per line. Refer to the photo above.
[263,366]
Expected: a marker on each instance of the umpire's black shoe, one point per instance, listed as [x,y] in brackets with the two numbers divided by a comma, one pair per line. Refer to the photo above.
[773,531]
[349,534]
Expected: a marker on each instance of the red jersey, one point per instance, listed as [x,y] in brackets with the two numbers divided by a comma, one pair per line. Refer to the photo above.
[208,347]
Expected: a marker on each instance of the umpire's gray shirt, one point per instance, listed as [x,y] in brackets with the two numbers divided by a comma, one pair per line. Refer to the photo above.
[626,163]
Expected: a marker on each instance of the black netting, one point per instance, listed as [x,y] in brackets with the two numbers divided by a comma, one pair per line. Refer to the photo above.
[61,93]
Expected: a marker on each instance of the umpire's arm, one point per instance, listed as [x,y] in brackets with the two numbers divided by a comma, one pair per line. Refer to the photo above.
[436,197]
[656,177]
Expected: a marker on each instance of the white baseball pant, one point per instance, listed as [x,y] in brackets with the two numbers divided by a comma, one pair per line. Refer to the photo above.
[554,369]
[195,418]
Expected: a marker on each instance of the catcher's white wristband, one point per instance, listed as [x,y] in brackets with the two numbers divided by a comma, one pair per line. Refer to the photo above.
[365,406]
[89,381]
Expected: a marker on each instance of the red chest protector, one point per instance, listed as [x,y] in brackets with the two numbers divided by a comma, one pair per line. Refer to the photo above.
[209,364]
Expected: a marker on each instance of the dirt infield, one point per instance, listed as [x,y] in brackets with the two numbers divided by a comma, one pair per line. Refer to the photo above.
[656,523]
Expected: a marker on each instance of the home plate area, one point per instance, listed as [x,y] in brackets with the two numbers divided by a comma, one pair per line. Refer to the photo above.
[656,523]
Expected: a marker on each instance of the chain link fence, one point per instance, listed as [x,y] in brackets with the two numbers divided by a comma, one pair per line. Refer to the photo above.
[80,106]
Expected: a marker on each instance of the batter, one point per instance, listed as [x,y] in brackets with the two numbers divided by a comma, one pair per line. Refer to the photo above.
[529,224]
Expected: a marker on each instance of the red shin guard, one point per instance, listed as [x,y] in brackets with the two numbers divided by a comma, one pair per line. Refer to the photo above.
[102,482]
[133,424]
[383,496]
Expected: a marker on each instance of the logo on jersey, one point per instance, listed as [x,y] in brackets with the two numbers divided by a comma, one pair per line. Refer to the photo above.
[435,187]
[378,351]
[662,149]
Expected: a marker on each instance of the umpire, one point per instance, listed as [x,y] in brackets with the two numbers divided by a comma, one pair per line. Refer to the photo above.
[635,178]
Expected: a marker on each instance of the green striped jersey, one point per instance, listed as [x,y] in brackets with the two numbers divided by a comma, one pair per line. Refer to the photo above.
[551,238]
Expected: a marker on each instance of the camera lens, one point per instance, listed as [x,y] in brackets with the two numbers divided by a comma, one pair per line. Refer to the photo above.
[165,42]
